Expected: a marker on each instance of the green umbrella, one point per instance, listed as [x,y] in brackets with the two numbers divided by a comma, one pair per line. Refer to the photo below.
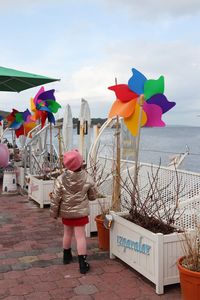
[16,81]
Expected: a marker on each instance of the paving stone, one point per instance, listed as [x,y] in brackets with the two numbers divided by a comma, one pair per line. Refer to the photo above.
[4,292]
[35,271]
[107,295]
[8,261]
[108,277]
[61,293]
[33,252]
[38,296]
[28,259]
[51,276]
[85,289]
[41,263]
[45,286]
[21,289]
[90,279]
[21,266]
[67,282]
[46,256]
[83,297]
[5,268]
[16,254]
[128,292]
[14,274]
[14,298]
[28,279]
[72,273]
[7,283]
[56,261]
[113,268]
[52,250]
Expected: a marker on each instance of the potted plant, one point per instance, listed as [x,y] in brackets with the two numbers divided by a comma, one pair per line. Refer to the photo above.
[101,206]
[103,227]
[145,236]
[189,265]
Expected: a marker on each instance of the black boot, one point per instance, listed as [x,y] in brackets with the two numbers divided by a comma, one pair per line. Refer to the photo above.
[67,256]
[83,265]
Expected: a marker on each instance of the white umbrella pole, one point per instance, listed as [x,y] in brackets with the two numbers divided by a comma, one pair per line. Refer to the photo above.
[60,149]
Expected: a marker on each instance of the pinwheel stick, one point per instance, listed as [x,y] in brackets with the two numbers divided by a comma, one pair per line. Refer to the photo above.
[116,181]
[140,102]
[51,152]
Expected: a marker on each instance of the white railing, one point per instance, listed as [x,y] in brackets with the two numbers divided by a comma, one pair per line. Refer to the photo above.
[188,213]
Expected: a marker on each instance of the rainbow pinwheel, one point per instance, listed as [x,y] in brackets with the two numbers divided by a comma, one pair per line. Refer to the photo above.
[1,118]
[44,105]
[19,121]
[126,105]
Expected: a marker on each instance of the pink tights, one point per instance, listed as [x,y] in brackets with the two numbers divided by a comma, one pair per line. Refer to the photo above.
[80,236]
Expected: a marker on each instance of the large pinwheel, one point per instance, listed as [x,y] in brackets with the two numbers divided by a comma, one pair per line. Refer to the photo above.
[1,119]
[135,114]
[44,105]
[19,121]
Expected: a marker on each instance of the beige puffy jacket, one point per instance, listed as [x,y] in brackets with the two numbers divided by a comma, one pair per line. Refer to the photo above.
[71,193]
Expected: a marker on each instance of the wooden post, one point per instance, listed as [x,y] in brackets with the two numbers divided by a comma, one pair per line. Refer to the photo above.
[81,140]
[140,102]
[96,131]
[116,202]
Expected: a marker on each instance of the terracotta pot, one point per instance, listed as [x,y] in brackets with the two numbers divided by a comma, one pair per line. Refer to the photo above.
[103,234]
[190,282]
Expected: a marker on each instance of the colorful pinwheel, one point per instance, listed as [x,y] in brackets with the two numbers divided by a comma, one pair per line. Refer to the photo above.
[1,118]
[126,105]
[44,105]
[19,121]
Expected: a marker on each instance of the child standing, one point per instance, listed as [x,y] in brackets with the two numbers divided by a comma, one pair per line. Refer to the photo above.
[69,200]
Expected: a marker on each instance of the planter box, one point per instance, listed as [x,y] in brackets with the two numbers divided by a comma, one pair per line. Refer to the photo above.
[95,210]
[152,255]
[39,190]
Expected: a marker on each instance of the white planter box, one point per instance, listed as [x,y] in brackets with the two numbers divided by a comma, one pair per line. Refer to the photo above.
[39,190]
[152,255]
[95,210]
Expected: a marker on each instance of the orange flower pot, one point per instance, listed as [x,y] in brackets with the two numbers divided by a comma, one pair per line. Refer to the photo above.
[190,282]
[103,234]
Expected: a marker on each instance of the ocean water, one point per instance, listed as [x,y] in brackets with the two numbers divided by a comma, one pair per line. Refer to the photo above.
[158,145]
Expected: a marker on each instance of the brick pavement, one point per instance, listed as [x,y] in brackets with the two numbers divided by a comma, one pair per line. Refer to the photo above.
[31,265]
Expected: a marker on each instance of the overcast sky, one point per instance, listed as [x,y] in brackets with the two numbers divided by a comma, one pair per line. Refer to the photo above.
[87,43]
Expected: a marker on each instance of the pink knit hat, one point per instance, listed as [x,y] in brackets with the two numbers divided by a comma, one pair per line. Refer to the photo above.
[72,160]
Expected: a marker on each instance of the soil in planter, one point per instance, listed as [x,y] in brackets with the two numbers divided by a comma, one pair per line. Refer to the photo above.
[192,264]
[151,223]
